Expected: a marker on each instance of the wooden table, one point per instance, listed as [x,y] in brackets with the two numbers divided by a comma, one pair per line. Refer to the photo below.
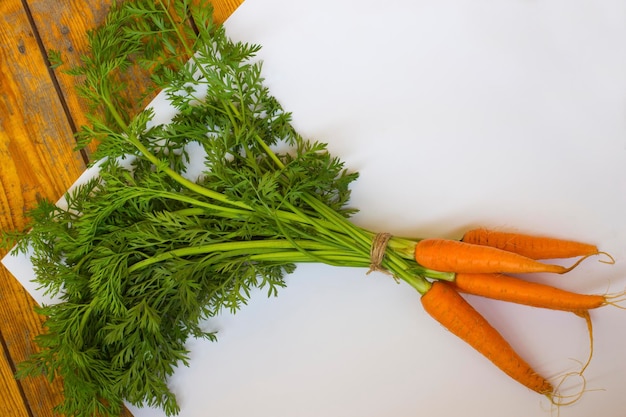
[39,112]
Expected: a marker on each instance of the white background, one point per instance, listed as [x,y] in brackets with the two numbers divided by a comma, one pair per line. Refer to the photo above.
[508,114]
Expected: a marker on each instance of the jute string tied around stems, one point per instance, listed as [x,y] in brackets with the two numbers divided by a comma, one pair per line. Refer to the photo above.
[377,253]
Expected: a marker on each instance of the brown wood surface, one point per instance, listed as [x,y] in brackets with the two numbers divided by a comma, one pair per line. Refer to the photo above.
[39,112]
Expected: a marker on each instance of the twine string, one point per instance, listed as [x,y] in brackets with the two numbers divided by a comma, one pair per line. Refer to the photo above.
[377,253]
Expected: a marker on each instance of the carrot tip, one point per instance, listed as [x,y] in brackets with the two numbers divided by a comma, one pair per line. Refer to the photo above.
[611,259]
[558,400]
[585,315]
[584,258]
[561,400]
[615,299]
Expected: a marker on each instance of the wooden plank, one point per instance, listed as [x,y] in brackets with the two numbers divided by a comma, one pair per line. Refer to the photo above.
[222,9]
[36,161]
[35,139]
[11,401]
[19,325]
[62,27]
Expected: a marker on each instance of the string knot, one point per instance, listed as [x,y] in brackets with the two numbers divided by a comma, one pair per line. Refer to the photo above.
[377,252]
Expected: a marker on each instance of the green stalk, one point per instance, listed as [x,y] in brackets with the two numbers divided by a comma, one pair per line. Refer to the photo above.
[332,258]
[362,238]
[198,188]
[222,211]
[184,181]
[223,247]
[134,140]
[330,215]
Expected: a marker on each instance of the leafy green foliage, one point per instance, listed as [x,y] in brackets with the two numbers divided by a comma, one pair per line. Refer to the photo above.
[142,255]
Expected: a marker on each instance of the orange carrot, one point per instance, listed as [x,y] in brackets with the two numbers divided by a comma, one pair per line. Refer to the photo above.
[515,290]
[535,247]
[451,310]
[447,255]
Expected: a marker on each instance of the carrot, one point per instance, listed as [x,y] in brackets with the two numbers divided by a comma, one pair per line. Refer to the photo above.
[535,247]
[447,255]
[515,290]
[451,310]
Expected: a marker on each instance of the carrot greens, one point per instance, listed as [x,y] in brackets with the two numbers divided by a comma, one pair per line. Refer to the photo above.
[146,251]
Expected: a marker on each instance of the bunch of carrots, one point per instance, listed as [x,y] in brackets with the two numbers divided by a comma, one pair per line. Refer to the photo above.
[480,262]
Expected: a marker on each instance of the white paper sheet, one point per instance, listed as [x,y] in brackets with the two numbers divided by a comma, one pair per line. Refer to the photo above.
[507,114]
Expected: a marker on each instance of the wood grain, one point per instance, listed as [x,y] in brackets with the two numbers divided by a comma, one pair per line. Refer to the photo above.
[36,161]
[36,143]
[11,402]
[222,9]
[19,326]
[39,112]
[62,29]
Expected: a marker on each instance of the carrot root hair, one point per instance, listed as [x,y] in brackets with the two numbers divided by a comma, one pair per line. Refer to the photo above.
[565,270]
[578,262]
[585,315]
[610,260]
[558,399]
[615,300]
